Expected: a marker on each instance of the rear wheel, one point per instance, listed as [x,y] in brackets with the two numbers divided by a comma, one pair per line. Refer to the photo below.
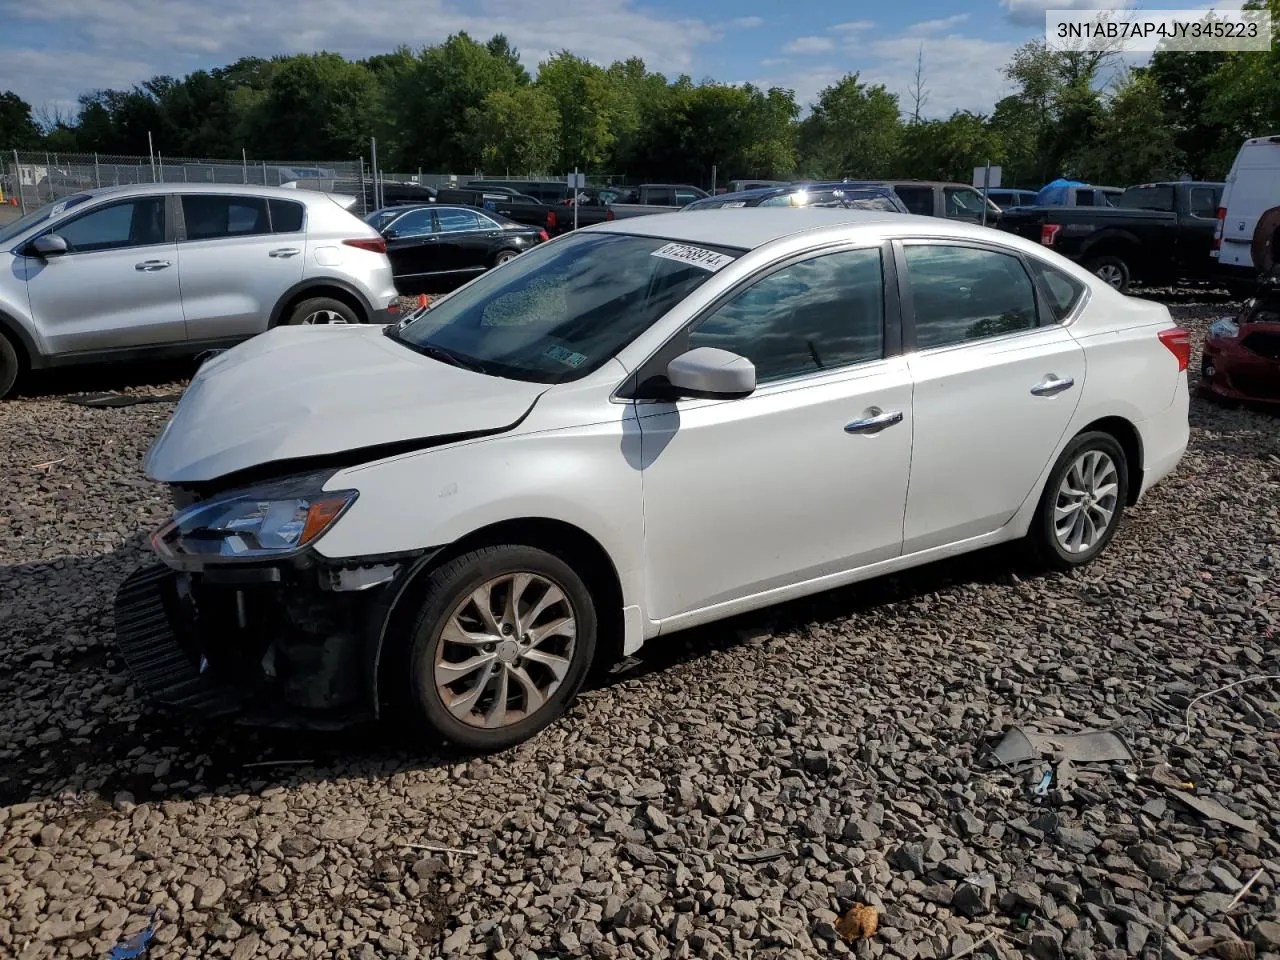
[1082,502]
[321,310]
[10,366]
[500,648]
[503,256]
[1112,271]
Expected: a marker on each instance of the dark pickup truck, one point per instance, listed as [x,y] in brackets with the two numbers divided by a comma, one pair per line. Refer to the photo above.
[1156,233]
[514,206]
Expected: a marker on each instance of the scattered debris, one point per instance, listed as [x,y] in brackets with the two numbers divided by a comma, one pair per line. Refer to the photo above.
[47,464]
[1042,788]
[1163,775]
[434,848]
[1223,689]
[1021,746]
[278,763]
[1243,890]
[968,951]
[761,856]
[102,400]
[1212,810]
[136,945]
[860,923]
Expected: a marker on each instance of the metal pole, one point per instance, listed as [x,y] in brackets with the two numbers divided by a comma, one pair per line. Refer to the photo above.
[364,210]
[373,164]
[713,179]
[160,164]
[575,198]
[986,183]
[97,174]
[17,172]
[48,167]
[244,164]
[151,152]
[264,173]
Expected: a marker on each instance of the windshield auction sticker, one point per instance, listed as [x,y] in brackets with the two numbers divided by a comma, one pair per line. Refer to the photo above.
[694,256]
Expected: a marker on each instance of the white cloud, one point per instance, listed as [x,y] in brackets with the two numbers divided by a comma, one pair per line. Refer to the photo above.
[1030,13]
[747,23]
[938,26]
[774,61]
[809,45]
[146,37]
[852,26]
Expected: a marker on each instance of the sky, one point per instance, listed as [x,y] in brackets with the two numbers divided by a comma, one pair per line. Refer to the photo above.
[51,51]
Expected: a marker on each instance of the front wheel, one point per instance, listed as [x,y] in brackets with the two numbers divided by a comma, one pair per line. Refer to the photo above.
[1112,271]
[321,310]
[10,366]
[1082,502]
[501,646]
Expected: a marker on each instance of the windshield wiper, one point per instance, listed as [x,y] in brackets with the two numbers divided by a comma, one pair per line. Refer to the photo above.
[442,354]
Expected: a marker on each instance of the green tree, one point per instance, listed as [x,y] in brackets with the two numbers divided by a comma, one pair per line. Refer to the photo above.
[854,131]
[1133,143]
[516,130]
[430,99]
[590,105]
[18,128]
[950,149]
[315,105]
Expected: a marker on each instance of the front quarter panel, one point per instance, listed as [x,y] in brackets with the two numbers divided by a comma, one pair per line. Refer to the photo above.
[587,476]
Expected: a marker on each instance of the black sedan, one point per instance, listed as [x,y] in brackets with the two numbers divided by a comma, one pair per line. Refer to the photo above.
[440,246]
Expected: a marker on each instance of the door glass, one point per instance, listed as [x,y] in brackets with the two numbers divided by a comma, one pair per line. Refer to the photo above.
[961,294]
[135,223]
[1204,202]
[286,216]
[1084,198]
[662,197]
[415,223]
[918,199]
[210,216]
[818,314]
[456,221]
[683,197]
[962,202]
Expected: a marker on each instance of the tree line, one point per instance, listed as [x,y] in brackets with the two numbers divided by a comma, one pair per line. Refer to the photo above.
[463,105]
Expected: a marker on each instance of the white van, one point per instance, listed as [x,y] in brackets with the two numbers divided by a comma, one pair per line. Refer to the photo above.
[1252,192]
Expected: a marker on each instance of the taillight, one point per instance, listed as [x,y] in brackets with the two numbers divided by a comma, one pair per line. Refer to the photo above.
[1049,232]
[542,235]
[372,244]
[1179,343]
[551,219]
[1222,225]
[609,215]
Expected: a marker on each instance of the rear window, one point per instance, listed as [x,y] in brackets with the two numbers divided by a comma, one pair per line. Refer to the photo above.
[1204,202]
[209,216]
[1061,291]
[1148,198]
[918,200]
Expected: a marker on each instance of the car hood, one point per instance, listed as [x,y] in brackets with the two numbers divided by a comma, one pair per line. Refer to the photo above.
[304,392]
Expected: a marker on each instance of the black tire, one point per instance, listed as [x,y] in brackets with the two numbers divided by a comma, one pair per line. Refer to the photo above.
[1111,270]
[321,306]
[10,366]
[502,256]
[1042,538]
[449,586]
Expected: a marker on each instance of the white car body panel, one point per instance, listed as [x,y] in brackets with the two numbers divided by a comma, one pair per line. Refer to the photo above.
[706,508]
[1253,188]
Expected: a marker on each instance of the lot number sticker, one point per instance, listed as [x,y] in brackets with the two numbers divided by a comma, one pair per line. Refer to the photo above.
[694,256]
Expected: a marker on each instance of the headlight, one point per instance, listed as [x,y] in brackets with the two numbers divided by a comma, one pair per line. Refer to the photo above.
[273,520]
[1224,327]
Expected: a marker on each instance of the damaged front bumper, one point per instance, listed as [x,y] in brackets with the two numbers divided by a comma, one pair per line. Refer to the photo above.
[286,645]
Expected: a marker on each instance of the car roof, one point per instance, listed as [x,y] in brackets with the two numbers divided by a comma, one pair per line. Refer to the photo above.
[795,187]
[240,189]
[751,227]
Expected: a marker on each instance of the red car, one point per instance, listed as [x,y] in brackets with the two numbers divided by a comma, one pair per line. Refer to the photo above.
[1242,354]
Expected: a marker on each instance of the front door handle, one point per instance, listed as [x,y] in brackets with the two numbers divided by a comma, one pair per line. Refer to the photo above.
[1052,386]
[149,266]
[877,421]
[284,252]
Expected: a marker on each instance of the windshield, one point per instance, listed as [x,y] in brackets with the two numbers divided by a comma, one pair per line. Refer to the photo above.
[49,210]
[561,310]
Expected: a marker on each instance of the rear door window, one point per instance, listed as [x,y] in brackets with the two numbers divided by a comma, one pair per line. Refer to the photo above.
[212,216]
[286,216]
[1061,291]
[1204,202]
[456,221]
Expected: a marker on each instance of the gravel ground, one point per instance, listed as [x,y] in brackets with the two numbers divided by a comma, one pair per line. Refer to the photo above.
[730,796]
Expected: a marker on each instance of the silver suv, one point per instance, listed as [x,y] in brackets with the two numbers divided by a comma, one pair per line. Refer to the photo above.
[178,269]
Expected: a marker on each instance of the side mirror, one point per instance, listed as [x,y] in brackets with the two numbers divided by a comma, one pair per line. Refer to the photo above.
[48,245]
[710,373]
[389,234]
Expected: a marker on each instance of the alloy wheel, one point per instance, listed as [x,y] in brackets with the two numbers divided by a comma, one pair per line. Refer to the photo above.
[1086,502]
[504,650]
[324,316]
[1111,275]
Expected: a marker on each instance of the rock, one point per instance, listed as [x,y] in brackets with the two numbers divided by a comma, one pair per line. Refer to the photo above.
[973,899]
[1046,944]
[1077,840]
[210,892]
[910,856]
[1266,935]
[457,941]
[273,883]
[939,893]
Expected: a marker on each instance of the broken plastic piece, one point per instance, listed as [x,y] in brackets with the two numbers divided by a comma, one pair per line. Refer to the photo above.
[1093,746]
[859,923]
[136,945]
[1042,788]
[120,399]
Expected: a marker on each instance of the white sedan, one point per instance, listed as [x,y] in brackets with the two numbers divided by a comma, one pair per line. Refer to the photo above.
[633,429]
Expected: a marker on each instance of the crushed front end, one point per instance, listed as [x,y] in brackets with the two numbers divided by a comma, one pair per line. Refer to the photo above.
[242,619]
[1241,360]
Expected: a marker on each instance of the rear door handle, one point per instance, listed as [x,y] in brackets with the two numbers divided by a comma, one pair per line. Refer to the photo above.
[1052,386]
[878,421]
[284,252]
[149,266]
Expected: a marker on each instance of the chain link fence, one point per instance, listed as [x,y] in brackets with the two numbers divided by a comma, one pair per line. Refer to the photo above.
[29,179]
